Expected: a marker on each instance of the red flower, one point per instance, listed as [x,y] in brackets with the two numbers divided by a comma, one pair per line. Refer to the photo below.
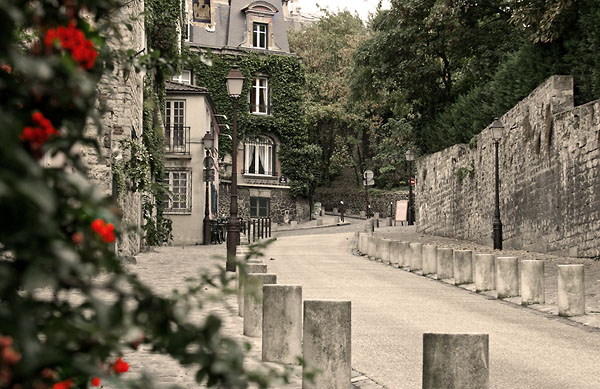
[6,68]
[120,366]
[66,384]
[10,356]
[73,39]
[5,341]
[106,231]
[38,135]
[77,238]
[95,381]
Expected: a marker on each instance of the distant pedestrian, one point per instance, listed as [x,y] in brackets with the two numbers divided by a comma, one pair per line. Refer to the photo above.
[342,210]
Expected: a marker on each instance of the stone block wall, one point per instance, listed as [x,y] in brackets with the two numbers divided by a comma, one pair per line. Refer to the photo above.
[549,178]
[120,106]
[281,201]
[354,199]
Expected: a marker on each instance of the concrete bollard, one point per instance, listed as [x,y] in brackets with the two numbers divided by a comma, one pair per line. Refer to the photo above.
[252,266]
[507,277]
[293,224]
[376,216]
[327,343]
[532,282]
[363,214]
[571,290]
[372,249]
[416,256]
[429,259]
[388,221]
[379,249]
[404,254]
[282,323]
[363,241]
[253,300]
[463,267]
[456,361]
[445,263]
[385,251]
[335,211]
[320,221]
[485,278]
[395,253]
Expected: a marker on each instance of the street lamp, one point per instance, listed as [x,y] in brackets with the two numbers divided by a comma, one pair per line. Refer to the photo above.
[497,129]
[410,157]
[235,82]
[209,163]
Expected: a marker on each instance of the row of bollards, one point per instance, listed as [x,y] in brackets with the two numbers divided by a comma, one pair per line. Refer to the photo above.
[318,331]
[508,276]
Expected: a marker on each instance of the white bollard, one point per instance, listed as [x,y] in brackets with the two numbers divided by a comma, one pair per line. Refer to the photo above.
[429,259]
[282,324]
[458,361]
[252,266]
[404,255]
[507,277]
[395,254]
[320,221]
[485,272]
[327,343]
[385,251]
[532,282]
[372,251]
[571,290]
[445,263]
[416,256]
[253,300]
[463,267]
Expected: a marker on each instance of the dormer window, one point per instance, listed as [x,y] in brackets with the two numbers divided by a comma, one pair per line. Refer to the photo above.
[260,35]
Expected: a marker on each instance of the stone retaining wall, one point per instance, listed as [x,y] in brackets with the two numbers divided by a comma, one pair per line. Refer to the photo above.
[354,199]
[550,181]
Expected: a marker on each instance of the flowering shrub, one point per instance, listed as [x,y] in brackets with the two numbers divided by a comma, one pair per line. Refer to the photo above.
[57,230]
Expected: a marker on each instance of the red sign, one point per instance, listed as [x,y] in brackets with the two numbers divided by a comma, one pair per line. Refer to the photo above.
[412,182]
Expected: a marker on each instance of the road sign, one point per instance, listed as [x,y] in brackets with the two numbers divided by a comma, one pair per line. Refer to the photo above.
[412,182]
[368,175]
[368,182]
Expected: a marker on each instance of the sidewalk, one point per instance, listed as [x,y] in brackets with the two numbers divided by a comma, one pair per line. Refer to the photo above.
[328,221]
[592,270]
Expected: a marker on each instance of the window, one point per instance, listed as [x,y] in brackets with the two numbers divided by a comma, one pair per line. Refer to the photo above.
[259,207]
[185,77]
[179,183]
[259,35]
[258,156]
[260,97]
[175,129]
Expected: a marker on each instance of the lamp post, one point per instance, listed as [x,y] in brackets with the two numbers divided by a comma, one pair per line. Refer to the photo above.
[497,129]
[208,141]
[235,82]
[410,157]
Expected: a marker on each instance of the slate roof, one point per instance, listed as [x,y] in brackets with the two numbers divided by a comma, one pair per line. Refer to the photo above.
[173,86]
[230,26]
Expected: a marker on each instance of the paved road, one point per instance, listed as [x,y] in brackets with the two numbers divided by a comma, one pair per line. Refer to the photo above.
[392,309]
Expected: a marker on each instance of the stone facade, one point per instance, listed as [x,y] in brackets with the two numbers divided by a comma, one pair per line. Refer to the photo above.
[355,202]
[283,207]
[549,178]
[121,108]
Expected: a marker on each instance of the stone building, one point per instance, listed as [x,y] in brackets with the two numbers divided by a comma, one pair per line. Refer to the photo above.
[233,29]
[189,117]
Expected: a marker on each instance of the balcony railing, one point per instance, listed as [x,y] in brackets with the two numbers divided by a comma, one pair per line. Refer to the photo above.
[177,139]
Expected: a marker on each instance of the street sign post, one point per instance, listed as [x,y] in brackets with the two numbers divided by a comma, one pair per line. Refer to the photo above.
[368,180]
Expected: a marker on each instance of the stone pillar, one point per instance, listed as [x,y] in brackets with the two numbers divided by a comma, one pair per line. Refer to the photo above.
[404,254]
[507,277]
[372,249]
[463,267]
[253,302]
[327,343]
[459,361]
[445,263]
[571,290]
[364,243]
[320,221]
[293,224]
[282,323]
[385,250]
[252,266]
[429,259]
[379,249]
[485,278]
[395,253]
[532,282]
[416,256]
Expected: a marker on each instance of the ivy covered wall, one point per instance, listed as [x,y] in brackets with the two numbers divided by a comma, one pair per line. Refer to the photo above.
[299,159]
